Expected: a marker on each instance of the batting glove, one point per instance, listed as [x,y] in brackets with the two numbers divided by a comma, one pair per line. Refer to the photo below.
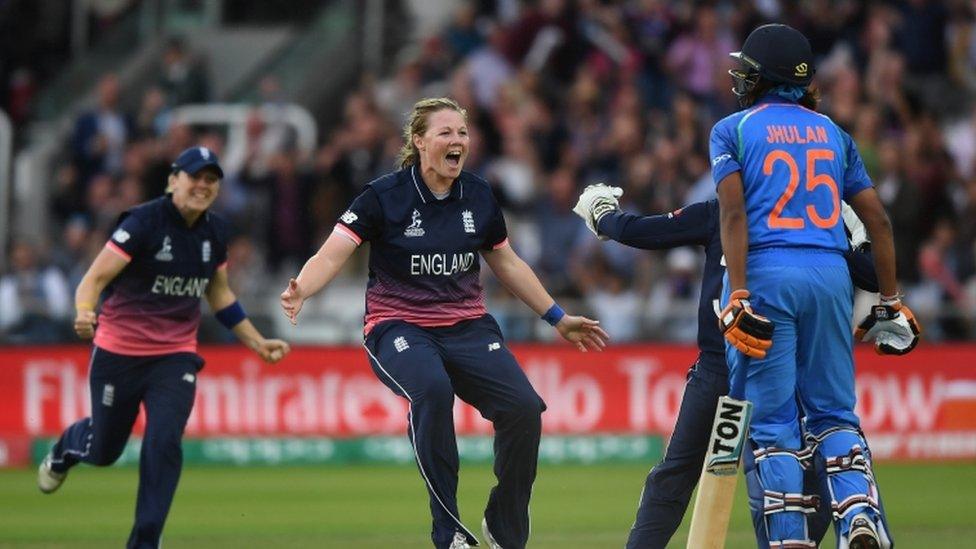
[750,333]
[595,202]
[892,326]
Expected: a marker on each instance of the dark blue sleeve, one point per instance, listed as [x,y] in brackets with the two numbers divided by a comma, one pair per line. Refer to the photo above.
[364,218]
[497,232]
[221,238]
[691,225]
[130,235]
[861,265]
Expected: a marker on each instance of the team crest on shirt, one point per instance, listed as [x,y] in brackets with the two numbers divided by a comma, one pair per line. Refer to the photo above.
[468,219]
[165,253]
[414,229]
[205,251]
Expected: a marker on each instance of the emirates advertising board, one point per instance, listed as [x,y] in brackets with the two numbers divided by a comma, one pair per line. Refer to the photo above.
[325,405]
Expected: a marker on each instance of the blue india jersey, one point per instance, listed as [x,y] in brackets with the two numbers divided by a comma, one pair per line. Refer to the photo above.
[796,167]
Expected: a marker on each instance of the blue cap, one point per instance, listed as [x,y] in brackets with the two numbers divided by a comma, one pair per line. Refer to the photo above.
[195,159]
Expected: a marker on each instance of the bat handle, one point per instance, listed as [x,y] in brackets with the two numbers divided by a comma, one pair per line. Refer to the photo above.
[737,382]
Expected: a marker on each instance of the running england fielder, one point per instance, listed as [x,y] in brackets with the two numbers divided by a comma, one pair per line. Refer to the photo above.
[162,258]
[669,485]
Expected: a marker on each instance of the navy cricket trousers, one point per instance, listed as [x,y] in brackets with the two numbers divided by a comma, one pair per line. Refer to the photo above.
[669,485]
[428,366]
[166,385]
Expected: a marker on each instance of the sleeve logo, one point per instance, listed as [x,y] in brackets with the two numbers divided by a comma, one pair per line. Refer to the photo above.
[720,158]
[348,217]
[120,236]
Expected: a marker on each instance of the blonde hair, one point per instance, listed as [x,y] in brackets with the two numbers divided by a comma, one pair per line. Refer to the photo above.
[417,125]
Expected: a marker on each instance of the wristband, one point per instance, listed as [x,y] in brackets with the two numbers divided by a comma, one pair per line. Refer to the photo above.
[231,315]
[890,300]
[554,314]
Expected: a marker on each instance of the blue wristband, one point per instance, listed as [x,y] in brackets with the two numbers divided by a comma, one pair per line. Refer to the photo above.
[231,315]
[554,314]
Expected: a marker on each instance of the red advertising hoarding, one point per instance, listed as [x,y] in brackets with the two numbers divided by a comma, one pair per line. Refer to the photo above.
[921,406]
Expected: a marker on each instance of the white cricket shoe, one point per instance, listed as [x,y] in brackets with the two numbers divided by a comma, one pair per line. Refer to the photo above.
[863,534]
[49,480]
[459,541]
[489,539]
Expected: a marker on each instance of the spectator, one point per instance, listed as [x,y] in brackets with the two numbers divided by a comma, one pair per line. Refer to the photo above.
[488,68]
[938,263]
[900,196]
[287,238]
[461,35]
[182,78]
[698,60]
[72,254]
[36,299]
[100,135]
[559,231]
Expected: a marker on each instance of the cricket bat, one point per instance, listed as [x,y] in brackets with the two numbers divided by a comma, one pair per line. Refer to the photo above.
[716,487]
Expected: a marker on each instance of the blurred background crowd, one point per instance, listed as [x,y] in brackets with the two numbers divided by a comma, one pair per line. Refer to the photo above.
[559,93]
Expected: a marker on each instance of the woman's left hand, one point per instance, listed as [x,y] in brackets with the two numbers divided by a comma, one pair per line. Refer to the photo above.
[584,332]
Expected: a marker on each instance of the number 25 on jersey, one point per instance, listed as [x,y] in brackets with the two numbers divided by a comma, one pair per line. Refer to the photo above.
[776,219]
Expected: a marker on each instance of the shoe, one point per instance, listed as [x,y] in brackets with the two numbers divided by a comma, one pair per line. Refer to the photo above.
[49,480]
[489,539]
[460,541]
[863,534]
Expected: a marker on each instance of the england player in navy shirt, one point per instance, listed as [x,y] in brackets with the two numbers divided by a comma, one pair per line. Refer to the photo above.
[428,336]
[163,256]
[669,485]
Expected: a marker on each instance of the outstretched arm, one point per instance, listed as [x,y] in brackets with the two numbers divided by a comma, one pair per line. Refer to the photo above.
[318,271]
[229,312]
[518,277]
[689,226]
[599,208]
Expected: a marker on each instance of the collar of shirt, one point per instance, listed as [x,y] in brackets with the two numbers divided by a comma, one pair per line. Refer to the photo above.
[177,217]
[427,197]
[773,98]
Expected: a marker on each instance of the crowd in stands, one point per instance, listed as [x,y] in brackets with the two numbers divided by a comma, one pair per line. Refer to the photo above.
[560,94]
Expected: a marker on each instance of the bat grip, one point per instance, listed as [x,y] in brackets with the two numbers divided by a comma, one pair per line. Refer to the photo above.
[737,381]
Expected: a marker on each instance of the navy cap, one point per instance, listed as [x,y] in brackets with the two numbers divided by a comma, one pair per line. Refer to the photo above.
[195,159]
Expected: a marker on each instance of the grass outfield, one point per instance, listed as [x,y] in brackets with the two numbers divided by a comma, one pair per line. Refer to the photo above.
[383,506]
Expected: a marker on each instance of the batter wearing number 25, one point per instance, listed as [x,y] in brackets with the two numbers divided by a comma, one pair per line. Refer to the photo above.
[781,171]
[428,336]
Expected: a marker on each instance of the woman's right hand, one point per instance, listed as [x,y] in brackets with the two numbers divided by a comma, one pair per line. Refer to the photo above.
[291,301]
[85,322]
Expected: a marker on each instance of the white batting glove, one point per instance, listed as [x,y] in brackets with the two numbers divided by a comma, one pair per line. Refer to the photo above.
[595,202]
[892,326]
[859,235]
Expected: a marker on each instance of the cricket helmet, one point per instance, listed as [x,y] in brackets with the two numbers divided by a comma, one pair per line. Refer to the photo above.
[778,53]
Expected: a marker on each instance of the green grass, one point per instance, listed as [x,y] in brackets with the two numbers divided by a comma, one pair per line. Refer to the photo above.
[580,507]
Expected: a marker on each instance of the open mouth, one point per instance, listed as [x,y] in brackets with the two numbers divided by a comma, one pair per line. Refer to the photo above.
[453,159]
